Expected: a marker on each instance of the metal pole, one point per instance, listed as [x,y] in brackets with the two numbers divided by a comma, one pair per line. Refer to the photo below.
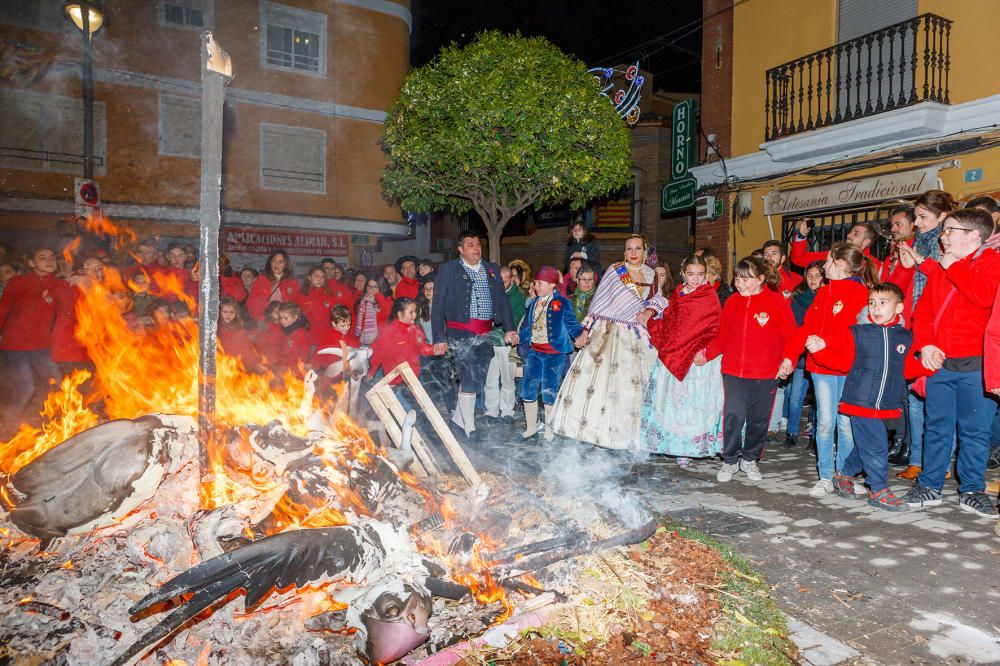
[88,97]
[216,71]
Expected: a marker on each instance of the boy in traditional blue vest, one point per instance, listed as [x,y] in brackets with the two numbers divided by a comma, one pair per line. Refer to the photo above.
[548,332]
[879,354]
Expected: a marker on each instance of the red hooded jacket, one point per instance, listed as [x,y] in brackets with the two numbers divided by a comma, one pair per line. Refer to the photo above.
[398,342]
[801,257]
[834,310]
[753,334]
[236,341]
[954,309]
[261,290]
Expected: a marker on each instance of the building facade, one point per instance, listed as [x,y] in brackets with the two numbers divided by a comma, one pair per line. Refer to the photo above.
[829,108]
[304,112]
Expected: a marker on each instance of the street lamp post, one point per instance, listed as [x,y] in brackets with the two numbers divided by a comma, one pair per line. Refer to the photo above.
[88,17]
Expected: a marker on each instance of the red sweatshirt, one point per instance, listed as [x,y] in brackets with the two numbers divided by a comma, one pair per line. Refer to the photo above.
[406,288]
[64,345]
[164,276]
[962,321]
[267,339]
[261,290]
[801,257]
[27,312]
[991,355]
[332,338]
[834,310]
[789,281]
[232,286]
[752,334]
[398,342]
[294,347]
[236,341]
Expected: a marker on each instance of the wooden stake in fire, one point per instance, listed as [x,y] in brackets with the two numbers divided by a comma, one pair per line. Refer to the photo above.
[216,72]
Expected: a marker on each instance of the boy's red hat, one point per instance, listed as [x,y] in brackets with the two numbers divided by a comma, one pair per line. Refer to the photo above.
[547,274]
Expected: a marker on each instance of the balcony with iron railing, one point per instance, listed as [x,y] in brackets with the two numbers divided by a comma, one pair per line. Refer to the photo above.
[891,68]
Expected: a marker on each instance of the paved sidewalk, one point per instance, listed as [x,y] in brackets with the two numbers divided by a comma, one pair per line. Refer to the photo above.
[862,586]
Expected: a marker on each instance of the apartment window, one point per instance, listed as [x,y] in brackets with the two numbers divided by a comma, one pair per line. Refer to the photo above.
[293,39]
[180,126]
[292,159]
[195,14]
[41,132]
[41,14]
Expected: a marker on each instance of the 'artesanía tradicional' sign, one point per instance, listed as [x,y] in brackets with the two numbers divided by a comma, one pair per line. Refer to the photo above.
[852,192]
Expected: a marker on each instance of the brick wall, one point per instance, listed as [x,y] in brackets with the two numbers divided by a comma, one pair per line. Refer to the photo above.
[716,112]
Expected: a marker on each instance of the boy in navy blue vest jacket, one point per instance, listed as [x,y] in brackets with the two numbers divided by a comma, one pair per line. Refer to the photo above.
[549,331]
[880,355]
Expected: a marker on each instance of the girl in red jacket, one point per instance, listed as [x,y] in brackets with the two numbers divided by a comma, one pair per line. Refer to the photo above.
[293,352]
[401,340]
[268,337]
[835,309]
[757,324]
[233,336]
[277,283]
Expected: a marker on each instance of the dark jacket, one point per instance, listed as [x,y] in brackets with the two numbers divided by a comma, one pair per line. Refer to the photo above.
[453,293]
[883,358]
[591,249]
[561,324]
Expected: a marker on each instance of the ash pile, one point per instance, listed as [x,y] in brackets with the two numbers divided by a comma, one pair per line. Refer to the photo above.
[129,543]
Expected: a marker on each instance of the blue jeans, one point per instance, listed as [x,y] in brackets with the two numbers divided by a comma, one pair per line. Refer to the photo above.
[871,452]
[829,423]
[22,366]
[796,400]
[957,402]
[916,428]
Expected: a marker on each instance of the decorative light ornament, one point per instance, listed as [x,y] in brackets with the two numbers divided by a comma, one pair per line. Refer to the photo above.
[625,100]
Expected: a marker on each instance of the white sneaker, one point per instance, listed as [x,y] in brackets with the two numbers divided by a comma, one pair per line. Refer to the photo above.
[726,472]
[751,470]
[822,488]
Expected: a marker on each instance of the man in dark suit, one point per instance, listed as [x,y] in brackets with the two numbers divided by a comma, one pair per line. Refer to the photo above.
[469,297]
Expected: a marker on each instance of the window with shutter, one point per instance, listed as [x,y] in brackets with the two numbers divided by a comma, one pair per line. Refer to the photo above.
[292,39]
[180,126]
[40,132]
[292,159]
[195,14]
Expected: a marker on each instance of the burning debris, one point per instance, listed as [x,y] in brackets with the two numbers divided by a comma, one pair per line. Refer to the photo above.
[129,537]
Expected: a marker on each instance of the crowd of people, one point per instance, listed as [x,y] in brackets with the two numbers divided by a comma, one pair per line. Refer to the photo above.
[900,355]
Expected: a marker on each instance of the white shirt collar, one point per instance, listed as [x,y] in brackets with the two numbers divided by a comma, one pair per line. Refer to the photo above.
[472,267]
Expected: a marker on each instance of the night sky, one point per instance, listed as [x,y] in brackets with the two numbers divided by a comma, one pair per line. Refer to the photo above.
[599,33]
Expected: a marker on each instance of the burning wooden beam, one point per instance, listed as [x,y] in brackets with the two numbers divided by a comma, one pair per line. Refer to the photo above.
[216,72]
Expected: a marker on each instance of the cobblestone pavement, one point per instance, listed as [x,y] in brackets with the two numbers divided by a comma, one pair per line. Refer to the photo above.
[861,586]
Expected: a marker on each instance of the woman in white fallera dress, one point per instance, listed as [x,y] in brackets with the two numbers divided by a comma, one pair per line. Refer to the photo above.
[600,400]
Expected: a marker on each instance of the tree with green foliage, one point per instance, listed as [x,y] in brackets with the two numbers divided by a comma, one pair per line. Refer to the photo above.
[499,125]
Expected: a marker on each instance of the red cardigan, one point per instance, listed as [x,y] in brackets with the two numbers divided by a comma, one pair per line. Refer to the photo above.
[963,321]
[753,333]
[398,342]
[27,312]
[834,310]
[260,294]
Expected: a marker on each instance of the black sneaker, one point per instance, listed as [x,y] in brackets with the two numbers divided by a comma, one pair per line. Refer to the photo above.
[919,496]
[978,502]
[791,440]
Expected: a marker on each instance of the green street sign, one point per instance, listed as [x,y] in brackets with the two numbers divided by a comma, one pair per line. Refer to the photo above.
[683,124]
[719,207]
[678,195]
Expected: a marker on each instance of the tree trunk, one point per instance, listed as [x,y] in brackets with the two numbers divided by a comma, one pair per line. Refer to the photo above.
[494,232]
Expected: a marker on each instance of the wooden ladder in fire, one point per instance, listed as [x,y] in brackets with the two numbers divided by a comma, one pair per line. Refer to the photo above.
[390,411]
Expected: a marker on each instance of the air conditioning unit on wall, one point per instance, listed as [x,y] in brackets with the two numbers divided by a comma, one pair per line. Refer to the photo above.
[704,208]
